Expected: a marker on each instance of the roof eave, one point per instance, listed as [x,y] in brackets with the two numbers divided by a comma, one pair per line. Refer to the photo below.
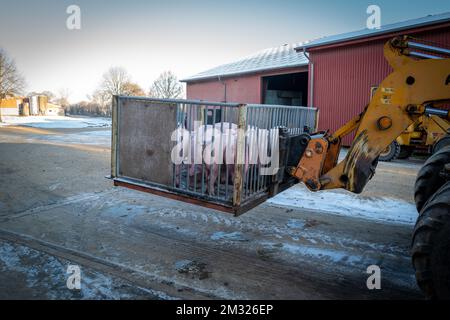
[370,35]
[235,74]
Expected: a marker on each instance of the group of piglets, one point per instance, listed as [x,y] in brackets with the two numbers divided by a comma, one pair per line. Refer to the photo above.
[202,161]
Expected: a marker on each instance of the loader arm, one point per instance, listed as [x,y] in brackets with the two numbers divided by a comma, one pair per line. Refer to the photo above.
[411,90]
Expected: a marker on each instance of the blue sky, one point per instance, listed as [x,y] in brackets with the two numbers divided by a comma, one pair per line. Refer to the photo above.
[149,37]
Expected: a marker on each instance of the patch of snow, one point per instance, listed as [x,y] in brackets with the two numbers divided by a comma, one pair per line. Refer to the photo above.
[296,223]
[8,257]
[169,218]
[98,137]
[54,186]
[232,236]
[328,255]
[50,274]
[386,210]
[52,122]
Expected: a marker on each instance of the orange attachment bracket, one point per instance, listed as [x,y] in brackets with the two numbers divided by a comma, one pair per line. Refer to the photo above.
[309,168]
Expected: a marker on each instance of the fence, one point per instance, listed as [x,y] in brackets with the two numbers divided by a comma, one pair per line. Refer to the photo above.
[221,155]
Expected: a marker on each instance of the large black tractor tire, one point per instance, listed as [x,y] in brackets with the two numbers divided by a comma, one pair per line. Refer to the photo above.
[391,152]
[405,152]
[442,143]
[431,246]
[428,179]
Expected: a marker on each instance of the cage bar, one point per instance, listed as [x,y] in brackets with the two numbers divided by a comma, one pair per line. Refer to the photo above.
[206,153]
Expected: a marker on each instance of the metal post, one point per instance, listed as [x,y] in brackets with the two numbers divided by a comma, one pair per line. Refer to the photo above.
[114,136]
[426,47]
[240,155]
[423,55]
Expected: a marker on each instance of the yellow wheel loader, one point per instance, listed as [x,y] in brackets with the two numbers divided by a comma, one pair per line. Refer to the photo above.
[429,132]
[417,89]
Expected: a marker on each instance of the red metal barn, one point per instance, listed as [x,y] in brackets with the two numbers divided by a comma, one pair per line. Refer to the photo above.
[337,79]
[344,68]
[272,76]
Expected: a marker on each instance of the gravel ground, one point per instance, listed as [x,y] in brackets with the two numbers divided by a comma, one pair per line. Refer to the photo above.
[57,208]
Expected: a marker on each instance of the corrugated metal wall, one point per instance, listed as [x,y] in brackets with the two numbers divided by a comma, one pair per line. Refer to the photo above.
[244,89]
[10,107]
[239,89]
[344,75]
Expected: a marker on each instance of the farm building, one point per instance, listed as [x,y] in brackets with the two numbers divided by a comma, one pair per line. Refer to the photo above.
[32,105]
[272,76]
[10,106]
[52,109]
[334,74]
[345,68]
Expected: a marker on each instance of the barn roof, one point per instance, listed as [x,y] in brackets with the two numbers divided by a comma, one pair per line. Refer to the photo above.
[388,28]
[269,59]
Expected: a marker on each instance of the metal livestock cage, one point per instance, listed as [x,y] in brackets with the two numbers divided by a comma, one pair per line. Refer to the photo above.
[224,156]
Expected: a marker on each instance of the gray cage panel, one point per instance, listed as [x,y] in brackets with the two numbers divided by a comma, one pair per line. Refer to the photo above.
[143,148]
[144,140]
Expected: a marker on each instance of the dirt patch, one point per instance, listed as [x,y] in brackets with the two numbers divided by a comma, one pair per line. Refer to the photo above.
[58,194]
[193,269]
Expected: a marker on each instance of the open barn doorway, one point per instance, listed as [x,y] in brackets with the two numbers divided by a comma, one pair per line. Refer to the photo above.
[286,89]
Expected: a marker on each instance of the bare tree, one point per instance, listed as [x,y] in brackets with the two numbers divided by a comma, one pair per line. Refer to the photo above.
[103,100]
[133,89]
[11,81]
[114,81]
[166,86]
[50,95]
[62,98]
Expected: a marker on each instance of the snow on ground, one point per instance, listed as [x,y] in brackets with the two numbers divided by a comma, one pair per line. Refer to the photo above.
[47,276]
[344,203]
[51,122]
[97,137]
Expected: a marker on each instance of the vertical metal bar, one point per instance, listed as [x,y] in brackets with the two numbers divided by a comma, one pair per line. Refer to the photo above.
[268,124]
[264,125]
[281,116]
[274,115]
[317,115]
[274,118]
[237,189]
[196,108]
[114,137]
[271,124]
[255,152]
[253,143]
[247,154]
[204,122]
[179,125]
[187,166]
[213,150]
[250,152]
[296,124]
[308,119]
[219,167]
[258,165]
[311,89]
[226,163]
[293,120]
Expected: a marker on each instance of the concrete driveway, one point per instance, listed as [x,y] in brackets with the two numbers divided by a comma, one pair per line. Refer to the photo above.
[58,209]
